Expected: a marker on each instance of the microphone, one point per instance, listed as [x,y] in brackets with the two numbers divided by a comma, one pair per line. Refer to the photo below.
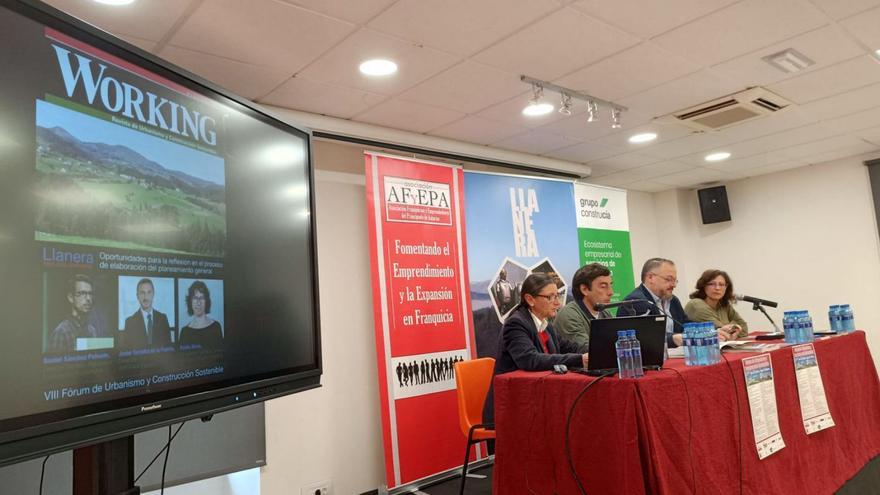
[755,300]
[602,307]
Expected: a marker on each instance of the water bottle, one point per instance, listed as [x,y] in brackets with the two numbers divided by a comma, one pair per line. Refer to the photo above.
[638,370]
[834,317]
[787,326]
[808,333]
[847,321]
[699,355]
[800,325]
[714,350]
[624,354]
[688,343]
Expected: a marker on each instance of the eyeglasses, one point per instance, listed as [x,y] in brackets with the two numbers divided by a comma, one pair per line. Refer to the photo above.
[670,279]
[83,293]
[720,285]
[552,298]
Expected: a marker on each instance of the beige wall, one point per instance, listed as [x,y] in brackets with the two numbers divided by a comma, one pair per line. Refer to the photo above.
[805,237]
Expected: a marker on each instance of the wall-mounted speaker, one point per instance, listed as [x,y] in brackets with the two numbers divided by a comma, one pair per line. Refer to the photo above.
[713,204]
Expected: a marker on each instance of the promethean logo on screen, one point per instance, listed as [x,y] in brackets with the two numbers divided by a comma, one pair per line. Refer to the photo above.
[131,101]
[151,408]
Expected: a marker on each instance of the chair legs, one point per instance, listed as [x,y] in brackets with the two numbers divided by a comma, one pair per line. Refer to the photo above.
[467,454]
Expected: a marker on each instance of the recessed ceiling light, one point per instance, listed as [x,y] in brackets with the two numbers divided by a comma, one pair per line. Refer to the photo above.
[643,137]
[115,2]
[537,109]
[877,52]
[378,67]
[717,157]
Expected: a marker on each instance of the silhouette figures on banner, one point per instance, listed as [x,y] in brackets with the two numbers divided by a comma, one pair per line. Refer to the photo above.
[426,371]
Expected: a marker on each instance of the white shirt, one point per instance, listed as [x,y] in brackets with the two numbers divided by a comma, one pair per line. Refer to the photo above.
[670,324]
[540,324]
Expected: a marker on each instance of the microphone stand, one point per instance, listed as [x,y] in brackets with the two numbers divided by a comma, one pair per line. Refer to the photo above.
[758,307]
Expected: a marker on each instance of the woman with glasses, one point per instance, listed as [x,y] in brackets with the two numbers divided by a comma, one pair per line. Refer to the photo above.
[528,341]
[713,301]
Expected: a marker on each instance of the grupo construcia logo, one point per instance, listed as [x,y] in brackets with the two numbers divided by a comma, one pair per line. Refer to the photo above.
[595,208]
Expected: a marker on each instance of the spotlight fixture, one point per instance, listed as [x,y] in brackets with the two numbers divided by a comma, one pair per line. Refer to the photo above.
[535,108]
[615,118]
[592,111]
[643,137]
[565,109]
[717,157]
[378,67]
[568,97]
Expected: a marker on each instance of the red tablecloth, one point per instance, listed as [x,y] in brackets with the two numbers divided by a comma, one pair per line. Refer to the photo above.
[631,436]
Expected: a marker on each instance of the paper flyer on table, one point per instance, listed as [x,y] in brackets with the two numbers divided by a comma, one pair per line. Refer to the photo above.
[762,404]
[811,391]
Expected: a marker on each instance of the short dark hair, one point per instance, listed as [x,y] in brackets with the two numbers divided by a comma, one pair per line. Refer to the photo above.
[653,263]
[708,276]
[533,284]
[586,274]
[144,281]
[200,286]
[71,283]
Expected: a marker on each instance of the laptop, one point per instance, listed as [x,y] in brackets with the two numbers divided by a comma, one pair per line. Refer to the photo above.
[650,330]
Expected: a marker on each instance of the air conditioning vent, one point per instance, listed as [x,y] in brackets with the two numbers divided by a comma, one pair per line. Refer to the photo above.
[728,111]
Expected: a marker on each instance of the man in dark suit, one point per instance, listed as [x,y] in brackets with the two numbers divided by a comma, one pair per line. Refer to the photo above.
[147,327]
[659,278]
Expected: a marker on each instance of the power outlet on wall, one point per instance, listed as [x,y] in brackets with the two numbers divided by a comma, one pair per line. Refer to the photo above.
[320,488]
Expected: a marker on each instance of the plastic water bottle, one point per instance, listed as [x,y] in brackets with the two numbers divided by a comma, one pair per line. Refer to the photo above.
[688,342]
[847,320]
[624,354]
[699,346]
[638,370]
[808,334]
[834,317]
[714,350]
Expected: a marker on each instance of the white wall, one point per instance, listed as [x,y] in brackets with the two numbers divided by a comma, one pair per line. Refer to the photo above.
[334,433]
[805,237]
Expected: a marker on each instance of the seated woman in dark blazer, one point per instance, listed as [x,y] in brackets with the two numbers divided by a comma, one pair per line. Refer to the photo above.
[528,341]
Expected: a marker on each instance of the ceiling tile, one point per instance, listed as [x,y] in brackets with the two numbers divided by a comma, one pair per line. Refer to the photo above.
[864,27]
[511,111]
[582,153]
[474,129]
[299,93]
[688,144]
[741,165]
[459,26]
[557,45]
[776,167]
[665,132]
[625,161]
[689,178]
[791,117]
[260,32]
[146,20]
[841,146]
[872,135]
[756,23]
[415,63]
[857,121]
[845,76]
[468,87]
[852,150]
[639,68]
[844,103]
[620,178]
[534,142]
[246,80]
[681,93]
[407,115]
[647,186]
[824,46]
[359,12]
[764,144]
[648,19]
[839,9]
[141,43]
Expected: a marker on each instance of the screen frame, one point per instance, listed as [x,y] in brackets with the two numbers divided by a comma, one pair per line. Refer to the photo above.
[75,430]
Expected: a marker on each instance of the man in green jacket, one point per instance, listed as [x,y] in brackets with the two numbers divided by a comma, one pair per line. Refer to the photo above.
[591,285]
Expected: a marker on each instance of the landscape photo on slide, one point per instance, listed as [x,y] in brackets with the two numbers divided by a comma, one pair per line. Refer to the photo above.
[103,184]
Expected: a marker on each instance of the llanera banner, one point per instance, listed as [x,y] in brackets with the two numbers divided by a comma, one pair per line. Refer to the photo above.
[515,226]
[603,233]
[422,317]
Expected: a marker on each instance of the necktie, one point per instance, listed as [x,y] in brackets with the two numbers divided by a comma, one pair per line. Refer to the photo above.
[544,338]
[149,328]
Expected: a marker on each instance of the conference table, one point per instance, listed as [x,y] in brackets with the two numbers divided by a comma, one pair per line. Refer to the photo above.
[684,429]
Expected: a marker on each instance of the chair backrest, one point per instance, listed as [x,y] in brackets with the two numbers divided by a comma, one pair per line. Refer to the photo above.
[472,380]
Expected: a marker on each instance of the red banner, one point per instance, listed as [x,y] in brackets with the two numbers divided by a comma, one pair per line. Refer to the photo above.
[421,302]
